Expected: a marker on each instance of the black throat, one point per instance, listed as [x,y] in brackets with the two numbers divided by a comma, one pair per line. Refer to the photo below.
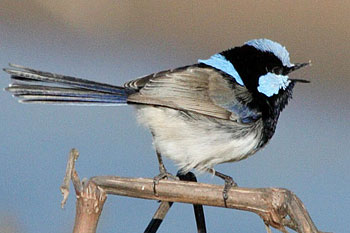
[271,108]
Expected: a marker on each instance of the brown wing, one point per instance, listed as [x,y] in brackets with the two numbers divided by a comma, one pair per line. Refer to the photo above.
[191,89]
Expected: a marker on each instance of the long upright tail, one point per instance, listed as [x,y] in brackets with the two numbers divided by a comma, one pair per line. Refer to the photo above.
[33,86]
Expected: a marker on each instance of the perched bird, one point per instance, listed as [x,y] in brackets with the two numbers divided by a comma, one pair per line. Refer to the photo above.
[222,109]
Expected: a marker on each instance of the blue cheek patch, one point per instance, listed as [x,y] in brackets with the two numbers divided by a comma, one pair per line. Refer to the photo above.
[221,63]
[270,84]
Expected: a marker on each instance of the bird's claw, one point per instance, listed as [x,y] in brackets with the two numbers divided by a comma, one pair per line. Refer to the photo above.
[229,183]
[162,176]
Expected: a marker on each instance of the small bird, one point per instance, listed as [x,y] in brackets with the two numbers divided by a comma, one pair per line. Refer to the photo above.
[221,109]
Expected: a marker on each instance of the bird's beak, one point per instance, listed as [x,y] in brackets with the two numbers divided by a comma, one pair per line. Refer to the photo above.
[297,66]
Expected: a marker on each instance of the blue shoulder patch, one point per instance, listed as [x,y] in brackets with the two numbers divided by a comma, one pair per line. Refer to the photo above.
[245,114]
[270,83]
[219,62]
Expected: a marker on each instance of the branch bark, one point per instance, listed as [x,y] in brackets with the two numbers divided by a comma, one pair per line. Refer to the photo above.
[90,198]
[165,206]
[278,207]
[88,208]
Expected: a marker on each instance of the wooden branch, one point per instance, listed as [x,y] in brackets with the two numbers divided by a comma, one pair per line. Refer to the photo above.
[278,207]
[89,208]
[273,205]
[165,206]
[90,198]
[198,209]
[158,217]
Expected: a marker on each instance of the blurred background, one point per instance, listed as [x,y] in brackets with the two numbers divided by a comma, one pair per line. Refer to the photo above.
[115,41]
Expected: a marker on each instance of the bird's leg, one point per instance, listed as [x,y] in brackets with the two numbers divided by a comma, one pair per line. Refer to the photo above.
[229,183]
[163,174]
[162,168]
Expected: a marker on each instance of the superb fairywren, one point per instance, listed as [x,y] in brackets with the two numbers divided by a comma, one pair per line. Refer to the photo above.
[222,109]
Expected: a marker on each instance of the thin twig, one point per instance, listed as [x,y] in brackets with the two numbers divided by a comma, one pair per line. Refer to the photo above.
[90,198]
[198,209]
[268,229]
[70,170]
[158,217]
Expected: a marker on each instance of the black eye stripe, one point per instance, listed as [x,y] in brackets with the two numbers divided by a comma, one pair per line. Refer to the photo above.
[252,63]
[277,70]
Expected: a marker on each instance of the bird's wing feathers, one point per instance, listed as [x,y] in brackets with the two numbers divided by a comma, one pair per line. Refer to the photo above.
[139,83]
[228,94]
[201,90]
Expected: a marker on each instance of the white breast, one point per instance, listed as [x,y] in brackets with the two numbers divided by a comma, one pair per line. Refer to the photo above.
[197,141]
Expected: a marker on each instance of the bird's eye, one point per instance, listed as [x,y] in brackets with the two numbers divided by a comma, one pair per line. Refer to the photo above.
[277,70]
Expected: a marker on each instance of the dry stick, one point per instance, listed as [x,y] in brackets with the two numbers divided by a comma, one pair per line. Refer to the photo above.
[198,209]
[165,206]
[73,156]
[158,217]
[89,208]
[90,198]
[277,207]
[273,205]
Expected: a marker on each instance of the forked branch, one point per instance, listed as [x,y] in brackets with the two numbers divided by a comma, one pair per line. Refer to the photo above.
[278,207]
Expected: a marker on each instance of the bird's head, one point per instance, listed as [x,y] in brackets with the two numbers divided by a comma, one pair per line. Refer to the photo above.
[261,65]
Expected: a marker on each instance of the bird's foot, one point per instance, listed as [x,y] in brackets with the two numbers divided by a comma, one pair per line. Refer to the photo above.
[229,183]
[162,176]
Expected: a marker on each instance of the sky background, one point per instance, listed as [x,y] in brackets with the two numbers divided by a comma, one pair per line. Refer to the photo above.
[115,41]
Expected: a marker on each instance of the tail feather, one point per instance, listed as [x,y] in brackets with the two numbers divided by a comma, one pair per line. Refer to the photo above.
[61,89]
